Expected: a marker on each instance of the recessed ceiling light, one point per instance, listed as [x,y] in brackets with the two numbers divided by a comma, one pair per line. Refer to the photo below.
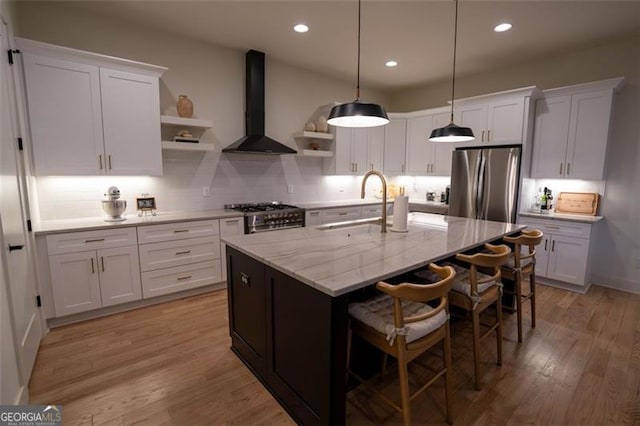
[391,64]
[500,28]
[300,28]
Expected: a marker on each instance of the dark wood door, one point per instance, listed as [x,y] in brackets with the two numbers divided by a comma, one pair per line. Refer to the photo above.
[247,309]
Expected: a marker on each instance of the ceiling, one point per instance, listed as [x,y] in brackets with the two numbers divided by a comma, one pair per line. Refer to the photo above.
[417,34]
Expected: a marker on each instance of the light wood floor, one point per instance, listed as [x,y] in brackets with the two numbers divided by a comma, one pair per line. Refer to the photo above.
[171,364]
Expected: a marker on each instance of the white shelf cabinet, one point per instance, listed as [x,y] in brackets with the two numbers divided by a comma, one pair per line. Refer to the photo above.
[563,257]
[571,131]
[317,137]
[93,269]
[172,125]
[91,114]
[357,150]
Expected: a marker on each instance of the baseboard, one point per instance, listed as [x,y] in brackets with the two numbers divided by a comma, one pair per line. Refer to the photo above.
[617,283]
[102,312]
[563,285]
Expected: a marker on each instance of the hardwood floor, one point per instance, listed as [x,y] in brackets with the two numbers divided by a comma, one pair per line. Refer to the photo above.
[171,364]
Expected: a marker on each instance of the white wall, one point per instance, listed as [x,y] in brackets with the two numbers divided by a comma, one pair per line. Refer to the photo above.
[213,77]
[616,260]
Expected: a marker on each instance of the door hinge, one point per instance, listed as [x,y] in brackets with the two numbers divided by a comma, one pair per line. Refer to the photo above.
[29,227]
[38,301]
[20,146]
[10,53]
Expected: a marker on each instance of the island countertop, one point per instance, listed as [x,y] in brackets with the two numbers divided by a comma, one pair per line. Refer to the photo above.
[338,261]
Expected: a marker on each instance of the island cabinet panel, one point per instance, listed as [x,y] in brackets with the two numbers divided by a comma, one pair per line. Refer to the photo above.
[247,310]
[292,336]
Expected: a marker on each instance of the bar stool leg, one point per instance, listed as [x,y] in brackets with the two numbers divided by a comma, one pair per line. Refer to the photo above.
[448,376]
[518,284]
[532,291]
[404,387]
[499,329]
[475,319]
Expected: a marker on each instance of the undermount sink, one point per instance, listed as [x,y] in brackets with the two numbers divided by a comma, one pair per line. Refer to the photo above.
[354,230]
[347,224]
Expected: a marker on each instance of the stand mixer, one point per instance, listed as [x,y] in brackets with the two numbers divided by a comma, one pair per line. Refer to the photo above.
[113,206]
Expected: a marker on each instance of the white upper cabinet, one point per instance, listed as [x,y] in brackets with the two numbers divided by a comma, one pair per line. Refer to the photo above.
[131,122]
[496,119]
[91,114]
[571,131]
[66,116]
[424,157]
[395,141]
[357,150]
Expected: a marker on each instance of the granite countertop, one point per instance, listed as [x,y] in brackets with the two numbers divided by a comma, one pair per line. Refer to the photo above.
[95,223]
[341,260]
[563,216]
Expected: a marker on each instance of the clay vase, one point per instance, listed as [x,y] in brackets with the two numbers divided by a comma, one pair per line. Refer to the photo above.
[321,124]
[184,107]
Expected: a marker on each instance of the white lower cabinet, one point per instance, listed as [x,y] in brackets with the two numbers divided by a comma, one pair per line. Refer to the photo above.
[341,214]
[563,254]
[312,218]
[83,279]
[179,256]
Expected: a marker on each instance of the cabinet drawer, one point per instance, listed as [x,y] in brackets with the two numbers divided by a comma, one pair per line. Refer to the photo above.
[175,253]
[371,211]
[74,242]
[231,226]
[559,227]
[177,231]
[340,215]
[171,280]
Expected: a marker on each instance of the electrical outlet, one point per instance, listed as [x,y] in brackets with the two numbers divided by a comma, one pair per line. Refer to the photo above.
[290,189]
[206,191]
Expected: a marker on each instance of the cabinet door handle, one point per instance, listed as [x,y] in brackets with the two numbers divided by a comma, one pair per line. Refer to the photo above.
[552,226]
[109,158]
[342,214]
[176,231]
[545,244]
[314,213]
[246,280]
[183,252]
[95,240]
[100,161]
[553,245]
[93,268]
[403,168]
[561,169]
[371,164]
[356,165]
[568,169]
[102,262]
[184,278]
[232,221]
[482,137]
[488,135]
[15,247]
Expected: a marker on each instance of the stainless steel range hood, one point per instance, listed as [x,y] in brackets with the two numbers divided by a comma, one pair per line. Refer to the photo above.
[255,141]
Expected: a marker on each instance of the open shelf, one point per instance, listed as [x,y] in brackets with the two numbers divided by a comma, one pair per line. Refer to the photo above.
[186,146]
[168,120]
[314,153]
[313,135]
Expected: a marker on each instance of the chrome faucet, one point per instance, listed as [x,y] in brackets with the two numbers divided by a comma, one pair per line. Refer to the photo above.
[384,195]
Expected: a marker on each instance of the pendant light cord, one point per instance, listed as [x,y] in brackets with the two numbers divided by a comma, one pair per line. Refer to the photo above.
[455,46]
[358,72]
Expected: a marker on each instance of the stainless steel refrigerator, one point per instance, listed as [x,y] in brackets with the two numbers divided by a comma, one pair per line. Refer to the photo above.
[485,183]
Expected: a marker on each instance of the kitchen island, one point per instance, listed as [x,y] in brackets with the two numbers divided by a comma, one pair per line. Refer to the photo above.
[289,292]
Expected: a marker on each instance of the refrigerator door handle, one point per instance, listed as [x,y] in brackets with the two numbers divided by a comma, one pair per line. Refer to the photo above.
[481,198]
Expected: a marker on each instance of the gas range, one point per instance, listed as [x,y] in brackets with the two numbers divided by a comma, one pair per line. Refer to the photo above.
[259,217]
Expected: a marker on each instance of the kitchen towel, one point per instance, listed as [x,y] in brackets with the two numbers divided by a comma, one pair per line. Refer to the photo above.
[400,213]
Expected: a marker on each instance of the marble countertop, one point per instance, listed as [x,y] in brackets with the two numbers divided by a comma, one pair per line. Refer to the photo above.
[93,223]
[341,260]
[319,205]
[563,216]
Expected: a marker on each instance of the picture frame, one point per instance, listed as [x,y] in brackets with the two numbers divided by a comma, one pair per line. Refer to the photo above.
[146,204]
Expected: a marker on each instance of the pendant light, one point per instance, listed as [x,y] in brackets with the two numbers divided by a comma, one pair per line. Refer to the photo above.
[358,113]
[453,132]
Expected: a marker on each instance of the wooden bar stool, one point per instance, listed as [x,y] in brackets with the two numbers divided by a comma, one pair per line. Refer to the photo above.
[522,265]
[475,291]
[400,323]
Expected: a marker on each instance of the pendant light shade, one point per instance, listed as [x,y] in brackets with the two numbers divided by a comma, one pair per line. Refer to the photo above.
[453,132]
[358,113]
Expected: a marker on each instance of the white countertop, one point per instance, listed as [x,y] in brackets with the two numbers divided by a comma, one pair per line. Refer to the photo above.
[319,205]
[563,216]
[92,223]
[341,260]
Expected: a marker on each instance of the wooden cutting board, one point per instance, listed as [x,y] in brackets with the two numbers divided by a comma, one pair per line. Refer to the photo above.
[578,203]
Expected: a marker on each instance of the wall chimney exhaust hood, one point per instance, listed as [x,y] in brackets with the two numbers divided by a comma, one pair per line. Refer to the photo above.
[255,141]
